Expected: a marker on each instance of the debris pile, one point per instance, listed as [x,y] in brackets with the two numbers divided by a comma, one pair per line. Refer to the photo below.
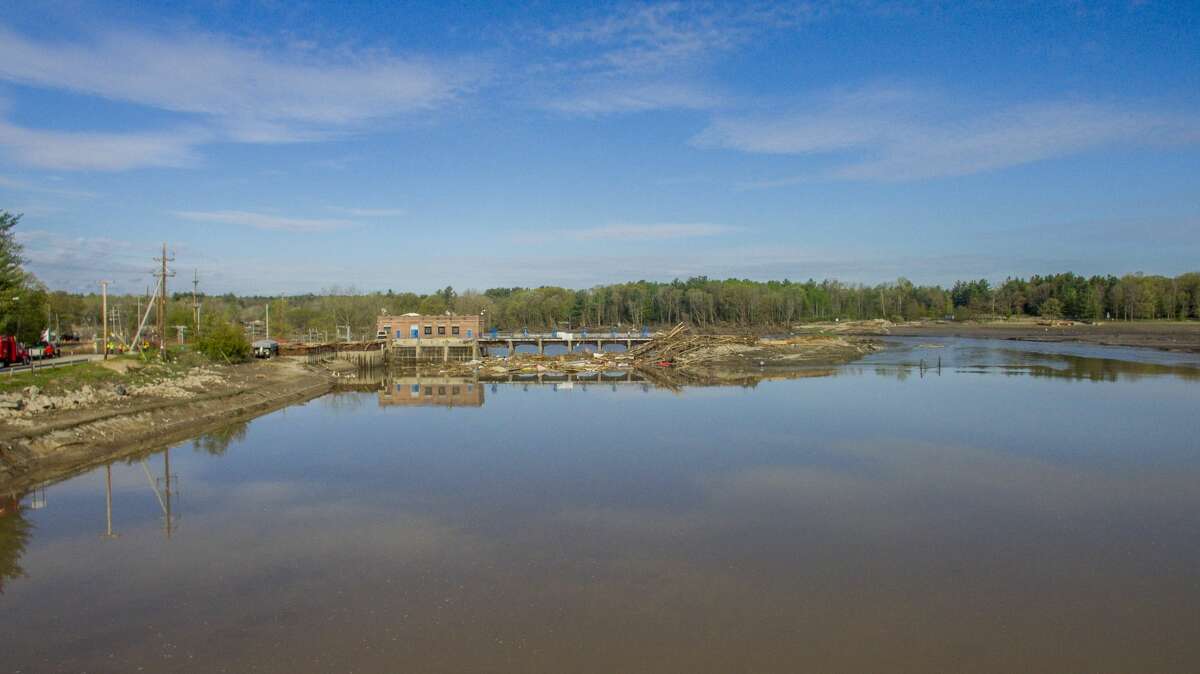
[678,347]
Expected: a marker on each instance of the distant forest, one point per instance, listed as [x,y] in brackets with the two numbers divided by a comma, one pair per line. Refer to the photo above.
[701,301]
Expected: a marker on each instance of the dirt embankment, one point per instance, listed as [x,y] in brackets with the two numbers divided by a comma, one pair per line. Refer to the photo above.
[47,435]
[1180,336]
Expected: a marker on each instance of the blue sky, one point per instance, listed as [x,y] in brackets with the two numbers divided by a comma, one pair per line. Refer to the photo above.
[285,147]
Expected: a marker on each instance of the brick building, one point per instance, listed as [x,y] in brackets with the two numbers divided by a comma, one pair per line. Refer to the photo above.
[418,327]
[414,337]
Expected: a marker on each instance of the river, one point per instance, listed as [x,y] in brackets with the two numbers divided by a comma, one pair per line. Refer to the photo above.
[943,505]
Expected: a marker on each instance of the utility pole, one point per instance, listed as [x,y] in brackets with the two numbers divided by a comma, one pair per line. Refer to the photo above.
[162,299]
[195,302]
[104,316]
[268,327]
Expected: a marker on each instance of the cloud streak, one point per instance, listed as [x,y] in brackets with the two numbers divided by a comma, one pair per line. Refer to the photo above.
[265,221]
[371,212]
[26,186]
[896,135]
[252,89]
[650,232]
[646,57]
[100,151]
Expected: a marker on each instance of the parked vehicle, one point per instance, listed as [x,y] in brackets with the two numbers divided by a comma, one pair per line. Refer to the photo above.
[13,352]
[265,348]
[47,350]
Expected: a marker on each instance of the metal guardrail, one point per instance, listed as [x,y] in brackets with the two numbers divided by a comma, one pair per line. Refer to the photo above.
[40,364]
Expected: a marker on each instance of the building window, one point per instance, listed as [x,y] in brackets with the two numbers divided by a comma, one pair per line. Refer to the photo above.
[454,330]
[441,329]
[468,333]
[441,390]
[429,329]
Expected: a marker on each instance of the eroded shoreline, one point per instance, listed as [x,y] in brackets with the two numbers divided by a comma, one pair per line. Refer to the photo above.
[54,445]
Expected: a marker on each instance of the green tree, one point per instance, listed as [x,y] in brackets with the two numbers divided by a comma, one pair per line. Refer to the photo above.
[432,305]
[11,274]
[1051,308]
[221,340]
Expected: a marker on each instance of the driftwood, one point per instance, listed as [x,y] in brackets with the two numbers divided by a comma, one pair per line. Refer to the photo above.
[675,345]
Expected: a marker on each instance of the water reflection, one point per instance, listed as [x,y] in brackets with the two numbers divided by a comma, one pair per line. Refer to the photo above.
[438,391]
[1063,366]
[873,521]
[216,441]
[906,356]
[15,533]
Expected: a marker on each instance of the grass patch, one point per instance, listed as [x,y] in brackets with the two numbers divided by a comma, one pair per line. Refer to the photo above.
[141,370]
[54,379]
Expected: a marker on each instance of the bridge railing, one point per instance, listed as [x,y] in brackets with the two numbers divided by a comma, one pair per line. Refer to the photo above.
[575,336]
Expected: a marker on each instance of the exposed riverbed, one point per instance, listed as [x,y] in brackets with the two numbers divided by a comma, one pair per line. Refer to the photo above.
[941,505]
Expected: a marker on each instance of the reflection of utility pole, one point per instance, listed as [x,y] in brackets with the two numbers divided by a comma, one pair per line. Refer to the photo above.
[164,496]
[167,489]
[108,532]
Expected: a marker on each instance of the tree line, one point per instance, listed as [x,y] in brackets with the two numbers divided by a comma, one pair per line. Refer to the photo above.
[27,306]
[700,301]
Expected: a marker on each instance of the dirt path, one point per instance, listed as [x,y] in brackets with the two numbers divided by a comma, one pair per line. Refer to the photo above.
[53,443]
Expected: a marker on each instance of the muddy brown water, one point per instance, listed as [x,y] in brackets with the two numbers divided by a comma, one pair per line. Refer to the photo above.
[1020,508]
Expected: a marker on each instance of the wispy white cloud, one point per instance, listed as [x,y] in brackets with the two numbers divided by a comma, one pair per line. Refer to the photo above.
[251,88]
[17,185]
[266,221]
[234,91]
[76,263]
[648,56]
[616,97]
[658,36]
[650,232]
[99,151]
[370,212]
[892,134]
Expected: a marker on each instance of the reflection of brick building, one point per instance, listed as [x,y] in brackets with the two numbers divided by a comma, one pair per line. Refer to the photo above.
[413,337]
[425,391]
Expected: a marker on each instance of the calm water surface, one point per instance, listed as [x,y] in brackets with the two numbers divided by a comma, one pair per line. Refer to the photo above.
[1019,508]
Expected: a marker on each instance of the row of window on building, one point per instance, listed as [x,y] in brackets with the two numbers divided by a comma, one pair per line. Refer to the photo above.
[455,331]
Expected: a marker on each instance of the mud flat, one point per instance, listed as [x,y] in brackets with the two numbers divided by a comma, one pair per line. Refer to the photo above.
[1179,336]
[47,437]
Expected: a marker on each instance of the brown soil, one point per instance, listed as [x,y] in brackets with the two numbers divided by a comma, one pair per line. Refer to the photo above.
[49,442]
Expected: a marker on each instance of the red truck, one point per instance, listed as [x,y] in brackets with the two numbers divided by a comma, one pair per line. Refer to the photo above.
[12,352]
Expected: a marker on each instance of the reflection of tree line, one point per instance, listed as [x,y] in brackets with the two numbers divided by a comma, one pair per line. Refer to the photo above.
[215,442]
[15,532]
[385,380]
[1089,369]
